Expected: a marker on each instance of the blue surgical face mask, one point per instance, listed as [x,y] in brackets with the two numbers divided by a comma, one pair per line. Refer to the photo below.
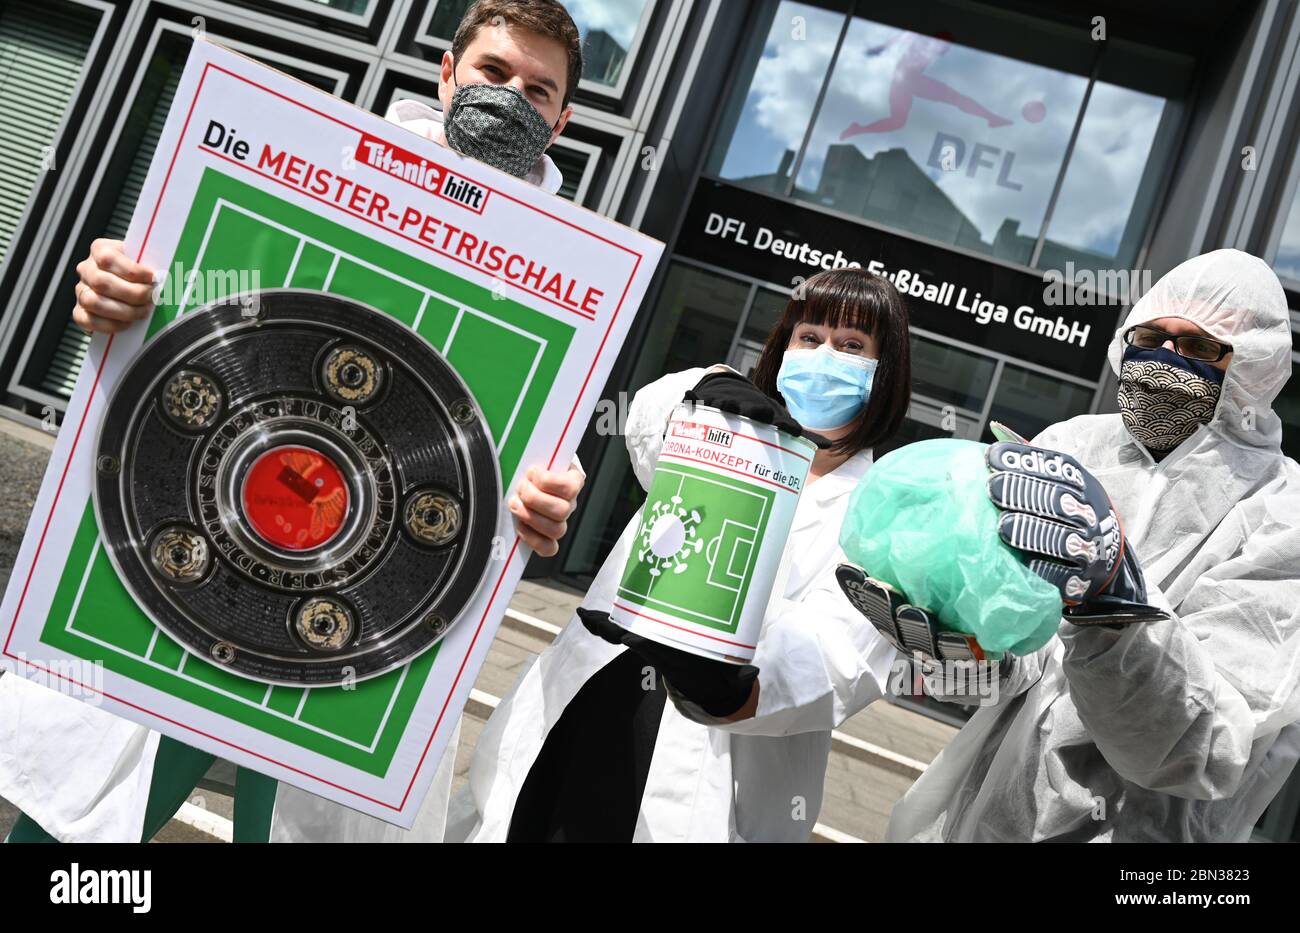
[824,388]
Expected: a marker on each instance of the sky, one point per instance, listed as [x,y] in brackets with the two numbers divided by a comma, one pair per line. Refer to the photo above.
[1040,103]
[619,18]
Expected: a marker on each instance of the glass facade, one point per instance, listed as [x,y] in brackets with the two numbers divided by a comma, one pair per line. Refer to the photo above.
[110,214]
[1027,402]
[1287,261]
[990,144]
[784,72]
[974,127]
[43,47]
[987,140]
[47,47]
[1122,130]
[924,135]
[1287,407]
[951,375]
[345,6]
[369,52]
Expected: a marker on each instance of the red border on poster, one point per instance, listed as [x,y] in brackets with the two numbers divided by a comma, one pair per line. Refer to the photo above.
[95,385]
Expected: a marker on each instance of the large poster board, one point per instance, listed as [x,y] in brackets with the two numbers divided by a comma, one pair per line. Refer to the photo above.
[528,297]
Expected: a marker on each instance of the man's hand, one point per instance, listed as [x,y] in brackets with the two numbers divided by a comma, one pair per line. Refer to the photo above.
[114,291]
[1058,515]
[542,505]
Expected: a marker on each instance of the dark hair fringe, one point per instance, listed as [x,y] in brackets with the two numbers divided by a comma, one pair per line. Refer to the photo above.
[870,303]
[546,17]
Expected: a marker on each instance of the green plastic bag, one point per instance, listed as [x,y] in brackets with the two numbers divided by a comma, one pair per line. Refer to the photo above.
[923,522]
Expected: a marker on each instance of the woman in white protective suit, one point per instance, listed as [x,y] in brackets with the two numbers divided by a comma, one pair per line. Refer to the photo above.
[81,774]
[1184,728]
[585,746]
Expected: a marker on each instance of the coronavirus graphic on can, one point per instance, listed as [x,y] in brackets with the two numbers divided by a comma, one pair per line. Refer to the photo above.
[711,533]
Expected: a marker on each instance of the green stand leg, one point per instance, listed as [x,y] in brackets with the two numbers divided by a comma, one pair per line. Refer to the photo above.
[27,829]
[177,769]
[254,803]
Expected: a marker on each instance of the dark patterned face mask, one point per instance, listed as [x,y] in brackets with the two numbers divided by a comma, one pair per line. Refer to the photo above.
[496,124]
[1164,397]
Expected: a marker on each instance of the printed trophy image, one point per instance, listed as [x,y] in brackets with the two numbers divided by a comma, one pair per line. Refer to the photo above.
[297,487]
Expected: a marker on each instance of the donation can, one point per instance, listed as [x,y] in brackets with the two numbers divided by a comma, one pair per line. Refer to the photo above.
[712,532]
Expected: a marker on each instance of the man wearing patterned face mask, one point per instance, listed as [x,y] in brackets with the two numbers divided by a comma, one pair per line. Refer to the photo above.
[1170,379]
[1179,728]
[496,124]
[505,88]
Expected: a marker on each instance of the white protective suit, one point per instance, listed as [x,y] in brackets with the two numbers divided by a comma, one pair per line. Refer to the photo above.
[1175,731]
[761,780]
[83,774]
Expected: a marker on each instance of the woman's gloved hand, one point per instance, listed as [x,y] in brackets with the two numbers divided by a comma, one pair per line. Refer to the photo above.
[732,392]
[1058,515]
[717,687]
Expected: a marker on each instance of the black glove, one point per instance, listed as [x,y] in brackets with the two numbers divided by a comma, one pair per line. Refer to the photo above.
[734,393]
[918,634]
[908,628]
[1058,515]
[716,687]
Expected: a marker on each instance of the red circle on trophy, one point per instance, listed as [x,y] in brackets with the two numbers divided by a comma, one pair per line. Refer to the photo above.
[295,498]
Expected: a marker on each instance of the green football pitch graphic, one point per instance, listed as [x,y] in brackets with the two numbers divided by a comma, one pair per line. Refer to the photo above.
[719,523]
[507,354]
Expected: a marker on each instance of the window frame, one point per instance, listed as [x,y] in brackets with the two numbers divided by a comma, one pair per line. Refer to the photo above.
[1289,195]
[364,20]
[47,296]
[59,195]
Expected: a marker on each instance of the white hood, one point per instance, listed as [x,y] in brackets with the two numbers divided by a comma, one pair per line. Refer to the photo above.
[1236,298]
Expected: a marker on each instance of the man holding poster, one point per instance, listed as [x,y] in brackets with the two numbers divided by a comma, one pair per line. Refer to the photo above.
[505,89]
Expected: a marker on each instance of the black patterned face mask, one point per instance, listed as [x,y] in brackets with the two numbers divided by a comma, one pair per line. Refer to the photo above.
[1164,397]
[496,124]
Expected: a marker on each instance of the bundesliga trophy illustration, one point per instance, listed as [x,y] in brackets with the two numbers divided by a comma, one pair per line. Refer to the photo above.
[297,487]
